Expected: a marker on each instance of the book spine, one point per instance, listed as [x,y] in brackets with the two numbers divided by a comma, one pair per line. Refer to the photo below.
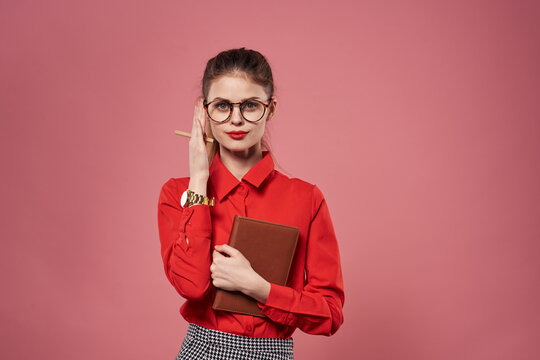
[291,258]
[234,230]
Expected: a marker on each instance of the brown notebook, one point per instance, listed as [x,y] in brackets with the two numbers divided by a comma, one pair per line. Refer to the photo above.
[269,247]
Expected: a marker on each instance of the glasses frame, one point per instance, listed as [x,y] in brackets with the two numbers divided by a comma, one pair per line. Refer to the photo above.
[231,107]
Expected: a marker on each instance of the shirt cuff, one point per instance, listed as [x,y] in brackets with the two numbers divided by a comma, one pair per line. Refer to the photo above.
[277,306]
[197,219]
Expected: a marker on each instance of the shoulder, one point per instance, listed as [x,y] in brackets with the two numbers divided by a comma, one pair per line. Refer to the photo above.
[296,183]
[174,186]
[303,188]
[176,182]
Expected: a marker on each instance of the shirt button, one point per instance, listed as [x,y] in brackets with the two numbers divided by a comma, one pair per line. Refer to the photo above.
[242,190]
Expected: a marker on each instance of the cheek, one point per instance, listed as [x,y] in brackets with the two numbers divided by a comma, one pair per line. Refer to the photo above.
[259,130]
[215,130]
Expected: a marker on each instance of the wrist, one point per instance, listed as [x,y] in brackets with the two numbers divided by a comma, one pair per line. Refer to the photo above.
[190,198]
[198,185]
[199,175]
[259,289]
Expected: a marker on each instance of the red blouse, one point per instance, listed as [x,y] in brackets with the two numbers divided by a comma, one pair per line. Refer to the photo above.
[313,298]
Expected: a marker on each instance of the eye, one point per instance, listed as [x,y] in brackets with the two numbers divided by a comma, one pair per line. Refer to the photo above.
[223,106]
[251,105]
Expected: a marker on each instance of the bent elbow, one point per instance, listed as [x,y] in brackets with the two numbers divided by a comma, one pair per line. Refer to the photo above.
[337,321]
[336,312]
[326,326]
[189,289]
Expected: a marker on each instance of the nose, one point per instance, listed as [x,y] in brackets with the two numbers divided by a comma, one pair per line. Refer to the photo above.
[236,115]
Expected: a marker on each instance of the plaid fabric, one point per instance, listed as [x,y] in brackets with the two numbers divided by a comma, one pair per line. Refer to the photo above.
[208,344]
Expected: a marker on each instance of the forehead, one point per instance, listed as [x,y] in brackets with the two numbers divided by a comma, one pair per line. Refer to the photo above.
[235,88]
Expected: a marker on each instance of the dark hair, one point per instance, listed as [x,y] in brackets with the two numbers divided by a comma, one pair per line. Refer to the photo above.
[242,60]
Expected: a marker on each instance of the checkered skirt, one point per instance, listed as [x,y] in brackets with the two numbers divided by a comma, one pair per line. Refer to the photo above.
[209,344]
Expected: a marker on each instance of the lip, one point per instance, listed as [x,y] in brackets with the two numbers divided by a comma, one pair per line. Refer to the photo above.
[237,135]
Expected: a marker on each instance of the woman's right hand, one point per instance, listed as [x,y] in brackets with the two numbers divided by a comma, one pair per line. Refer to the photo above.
[198,155]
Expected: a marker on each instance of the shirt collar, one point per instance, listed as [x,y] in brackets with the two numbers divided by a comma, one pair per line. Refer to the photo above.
[223,181]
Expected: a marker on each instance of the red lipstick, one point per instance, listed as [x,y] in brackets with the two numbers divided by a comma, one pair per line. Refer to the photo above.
[237,135]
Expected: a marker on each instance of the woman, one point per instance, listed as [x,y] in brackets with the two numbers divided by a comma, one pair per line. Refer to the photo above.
[237,176]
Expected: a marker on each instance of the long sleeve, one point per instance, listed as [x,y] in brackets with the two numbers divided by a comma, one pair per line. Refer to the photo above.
[185,235]
[317,309]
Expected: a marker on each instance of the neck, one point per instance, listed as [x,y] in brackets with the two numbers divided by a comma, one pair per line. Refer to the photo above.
[240,162]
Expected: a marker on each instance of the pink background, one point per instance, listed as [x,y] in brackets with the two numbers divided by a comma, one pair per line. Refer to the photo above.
[419,120]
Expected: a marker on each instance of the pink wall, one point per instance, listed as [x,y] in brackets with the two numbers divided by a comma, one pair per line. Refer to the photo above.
[424,116]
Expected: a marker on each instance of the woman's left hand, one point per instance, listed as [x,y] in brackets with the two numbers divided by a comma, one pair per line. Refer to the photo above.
[234,273]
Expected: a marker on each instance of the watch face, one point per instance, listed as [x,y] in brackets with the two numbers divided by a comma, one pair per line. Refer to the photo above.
[183,199]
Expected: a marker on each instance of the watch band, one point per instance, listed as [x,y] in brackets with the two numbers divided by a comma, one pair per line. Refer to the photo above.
[192,198]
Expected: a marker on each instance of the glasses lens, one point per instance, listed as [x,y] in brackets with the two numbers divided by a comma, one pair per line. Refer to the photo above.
[219,110]
[252,110]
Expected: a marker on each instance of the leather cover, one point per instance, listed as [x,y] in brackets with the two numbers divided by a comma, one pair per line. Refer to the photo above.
[270,248]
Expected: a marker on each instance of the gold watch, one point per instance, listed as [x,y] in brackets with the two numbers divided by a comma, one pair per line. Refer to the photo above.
[190,198]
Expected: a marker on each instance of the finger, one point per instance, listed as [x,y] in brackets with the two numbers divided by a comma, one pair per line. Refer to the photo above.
[197,114]
[229,250]
[219,256]
[220,253]
[220,248]
[217,283]
[202,115]
[196,131]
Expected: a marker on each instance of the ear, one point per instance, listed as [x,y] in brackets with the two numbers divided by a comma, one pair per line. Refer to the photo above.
[272,108]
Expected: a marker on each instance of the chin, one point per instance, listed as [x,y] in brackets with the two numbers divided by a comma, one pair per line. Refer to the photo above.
[237,145]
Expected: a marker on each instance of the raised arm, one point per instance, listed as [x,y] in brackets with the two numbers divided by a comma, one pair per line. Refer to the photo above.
[186,236]
[186,233]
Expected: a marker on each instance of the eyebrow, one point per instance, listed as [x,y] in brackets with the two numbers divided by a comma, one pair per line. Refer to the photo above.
[249,98]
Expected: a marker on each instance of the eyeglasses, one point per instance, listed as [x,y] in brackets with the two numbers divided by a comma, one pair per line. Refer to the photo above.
[221,110]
